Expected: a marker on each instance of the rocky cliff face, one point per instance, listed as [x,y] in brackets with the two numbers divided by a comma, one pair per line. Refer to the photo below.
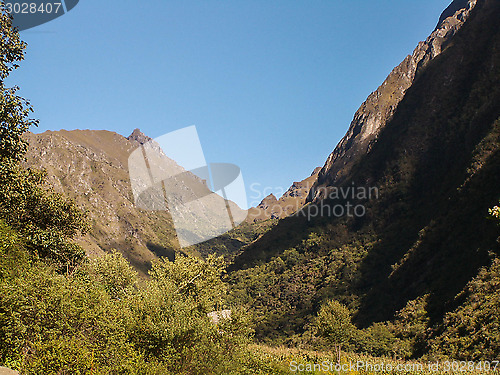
[380,106]
[291,201]
[139,137]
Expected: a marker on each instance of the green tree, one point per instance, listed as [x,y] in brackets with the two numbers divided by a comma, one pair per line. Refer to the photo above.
[45,220]
[334,323]
[14,110]
[411,325]
[378,340]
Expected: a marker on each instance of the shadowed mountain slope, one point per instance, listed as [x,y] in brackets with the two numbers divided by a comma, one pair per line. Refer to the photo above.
[378,109]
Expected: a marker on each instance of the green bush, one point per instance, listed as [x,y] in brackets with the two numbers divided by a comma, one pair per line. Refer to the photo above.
[101,318]
[45,220]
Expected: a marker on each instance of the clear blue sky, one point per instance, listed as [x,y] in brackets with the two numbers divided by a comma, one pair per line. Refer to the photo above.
[271,85]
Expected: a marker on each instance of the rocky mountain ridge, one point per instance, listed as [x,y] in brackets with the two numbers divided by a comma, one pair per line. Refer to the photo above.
[380,105]
[139,136]
[289,203]
[90,166]
[125,203]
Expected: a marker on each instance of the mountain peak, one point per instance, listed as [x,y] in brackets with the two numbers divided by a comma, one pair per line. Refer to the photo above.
[316,171]
[454,7]
[270,199]
[139,136]
[380,106]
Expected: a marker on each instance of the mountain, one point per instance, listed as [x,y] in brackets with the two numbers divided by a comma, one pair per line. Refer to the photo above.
[259,220]
[289,203]
[139,137]
[380,106]
[90,166]
[428,140]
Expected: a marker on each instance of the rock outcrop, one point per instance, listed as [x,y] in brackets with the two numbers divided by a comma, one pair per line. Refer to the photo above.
[139,137]
[7,371]
[380,106]
[289,203]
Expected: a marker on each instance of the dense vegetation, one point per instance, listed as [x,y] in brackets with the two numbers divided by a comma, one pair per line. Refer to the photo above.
[228,244]
[100,318]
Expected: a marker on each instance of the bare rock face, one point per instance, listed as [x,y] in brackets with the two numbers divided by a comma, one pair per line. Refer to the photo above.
[289,203]
[316,171]
[267,202]
[378,109]
[452,9]
[139,137]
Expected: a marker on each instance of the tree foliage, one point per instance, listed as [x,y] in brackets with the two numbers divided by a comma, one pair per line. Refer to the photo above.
[45,220]
[334,323]
[101,318]
[14,110]
[495,213]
